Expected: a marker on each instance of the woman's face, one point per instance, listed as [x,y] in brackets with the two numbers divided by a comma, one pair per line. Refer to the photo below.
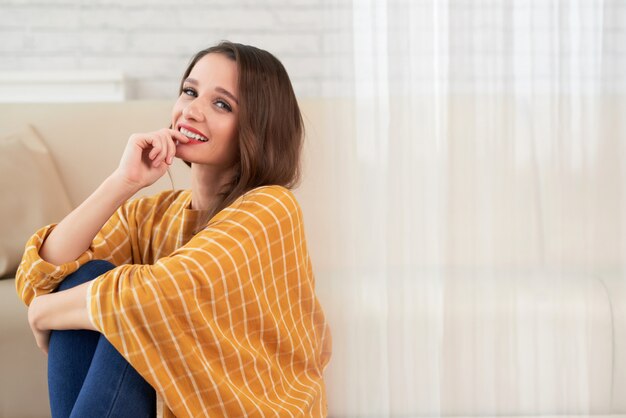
[206,112]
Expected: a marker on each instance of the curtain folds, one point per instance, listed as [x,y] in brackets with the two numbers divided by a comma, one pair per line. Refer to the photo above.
[472,253]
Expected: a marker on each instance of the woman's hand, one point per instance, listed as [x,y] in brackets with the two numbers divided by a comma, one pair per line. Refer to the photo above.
[148,155]
[66,309]
[42,336]
[145,159]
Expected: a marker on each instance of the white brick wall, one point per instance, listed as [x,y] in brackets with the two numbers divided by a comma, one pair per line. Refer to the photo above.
[151,41]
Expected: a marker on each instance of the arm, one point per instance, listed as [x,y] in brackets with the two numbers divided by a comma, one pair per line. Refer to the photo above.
[62,310]
[58,250]
[144,161]
[77,230]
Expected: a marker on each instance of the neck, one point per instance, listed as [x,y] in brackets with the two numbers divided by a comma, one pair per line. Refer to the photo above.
[206,183]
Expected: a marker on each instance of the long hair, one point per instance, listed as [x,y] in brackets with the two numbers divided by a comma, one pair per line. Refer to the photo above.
[270,126]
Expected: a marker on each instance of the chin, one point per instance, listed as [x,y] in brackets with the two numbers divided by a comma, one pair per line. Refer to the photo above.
[181,154]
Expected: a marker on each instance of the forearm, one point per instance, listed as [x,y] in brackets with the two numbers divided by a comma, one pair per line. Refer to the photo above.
[73,235]
[61,310]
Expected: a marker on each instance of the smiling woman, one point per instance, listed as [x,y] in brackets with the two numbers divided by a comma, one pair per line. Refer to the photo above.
[207,113]
[203,299]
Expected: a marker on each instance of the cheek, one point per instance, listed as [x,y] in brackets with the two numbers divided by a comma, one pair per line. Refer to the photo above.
[227,130]
[177,110]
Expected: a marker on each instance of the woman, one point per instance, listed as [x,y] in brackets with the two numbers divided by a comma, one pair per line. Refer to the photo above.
[202,299]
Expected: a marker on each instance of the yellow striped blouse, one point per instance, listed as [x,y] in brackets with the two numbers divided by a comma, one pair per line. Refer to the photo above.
[224,322]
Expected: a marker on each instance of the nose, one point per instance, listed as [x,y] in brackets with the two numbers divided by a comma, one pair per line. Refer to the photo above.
[193,111]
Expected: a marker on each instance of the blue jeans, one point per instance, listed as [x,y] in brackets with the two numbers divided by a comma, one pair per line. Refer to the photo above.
[87,376]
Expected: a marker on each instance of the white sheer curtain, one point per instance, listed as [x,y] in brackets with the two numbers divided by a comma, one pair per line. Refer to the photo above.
[469,216]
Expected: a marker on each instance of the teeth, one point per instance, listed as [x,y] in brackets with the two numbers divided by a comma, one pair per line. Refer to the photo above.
[192,135]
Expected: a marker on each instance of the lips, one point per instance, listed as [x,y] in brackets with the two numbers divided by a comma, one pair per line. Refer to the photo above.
[192,133]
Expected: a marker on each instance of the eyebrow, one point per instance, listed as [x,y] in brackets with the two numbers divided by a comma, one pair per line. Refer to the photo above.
[218,89]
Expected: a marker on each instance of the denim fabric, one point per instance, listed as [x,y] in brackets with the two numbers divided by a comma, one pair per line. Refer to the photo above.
[87,376]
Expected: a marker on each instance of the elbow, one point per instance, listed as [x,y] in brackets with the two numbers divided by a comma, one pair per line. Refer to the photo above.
[23,290]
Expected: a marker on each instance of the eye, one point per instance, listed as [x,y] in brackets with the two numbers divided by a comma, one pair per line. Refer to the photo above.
[223,105]
[190,92]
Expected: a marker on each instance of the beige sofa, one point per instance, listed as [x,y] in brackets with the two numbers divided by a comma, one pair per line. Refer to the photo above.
[85,142]
[448,371]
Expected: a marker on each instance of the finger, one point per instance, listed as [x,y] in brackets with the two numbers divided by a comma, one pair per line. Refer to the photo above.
[179,136]
[144,141]
[162,155]
[156,147]
[171,148]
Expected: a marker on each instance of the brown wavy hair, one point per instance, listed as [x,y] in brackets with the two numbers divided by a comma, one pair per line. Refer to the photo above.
[270,126]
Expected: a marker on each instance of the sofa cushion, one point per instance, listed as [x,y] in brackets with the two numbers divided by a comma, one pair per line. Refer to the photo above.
[32,193]
[86,140]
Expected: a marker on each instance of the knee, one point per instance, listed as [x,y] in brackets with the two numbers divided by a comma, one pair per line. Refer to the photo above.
[85,273]
[97,266]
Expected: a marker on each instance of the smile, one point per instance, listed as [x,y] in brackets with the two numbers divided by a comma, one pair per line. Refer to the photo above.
[193,135]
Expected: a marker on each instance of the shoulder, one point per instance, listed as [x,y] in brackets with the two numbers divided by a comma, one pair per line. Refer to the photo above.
[273,197]
[274,191]
[264,204]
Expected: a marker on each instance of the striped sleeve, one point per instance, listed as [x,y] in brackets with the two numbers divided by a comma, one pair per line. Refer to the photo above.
[228,324]
[36,276]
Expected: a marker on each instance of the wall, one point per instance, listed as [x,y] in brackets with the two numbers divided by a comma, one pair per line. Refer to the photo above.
[152,41]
